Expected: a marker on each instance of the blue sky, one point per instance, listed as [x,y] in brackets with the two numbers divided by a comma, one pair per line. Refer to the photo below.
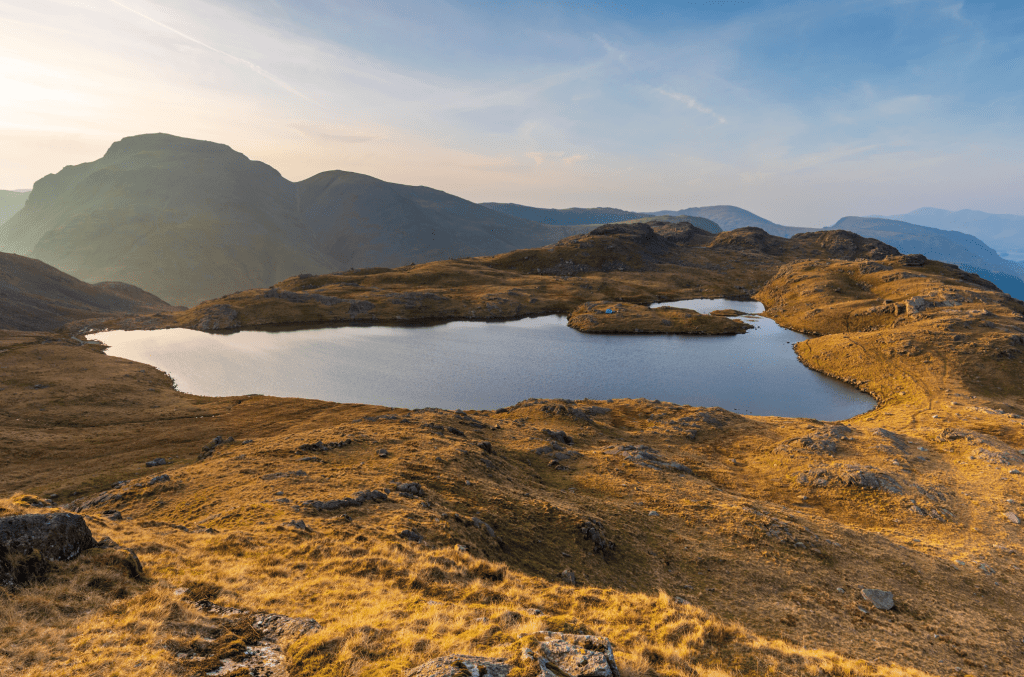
[802,112]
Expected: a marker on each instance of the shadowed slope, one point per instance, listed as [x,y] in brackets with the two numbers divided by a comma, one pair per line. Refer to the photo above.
[38,297]
[363,222]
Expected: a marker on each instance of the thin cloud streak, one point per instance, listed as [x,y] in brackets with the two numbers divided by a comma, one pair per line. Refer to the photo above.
[249,64]
[692,103]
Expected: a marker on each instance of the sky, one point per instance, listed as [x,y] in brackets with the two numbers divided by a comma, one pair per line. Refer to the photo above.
[802,112]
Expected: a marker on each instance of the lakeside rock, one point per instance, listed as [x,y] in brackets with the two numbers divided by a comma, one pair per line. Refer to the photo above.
[596,317]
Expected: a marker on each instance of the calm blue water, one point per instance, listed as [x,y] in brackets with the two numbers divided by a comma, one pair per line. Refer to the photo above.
[480,365]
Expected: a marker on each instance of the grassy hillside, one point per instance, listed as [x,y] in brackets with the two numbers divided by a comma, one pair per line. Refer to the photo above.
[957,248]
[38,297]
[701,542]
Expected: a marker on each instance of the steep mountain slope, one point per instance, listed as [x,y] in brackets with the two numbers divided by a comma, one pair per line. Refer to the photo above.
[961,249]
[38,297]
[182,218]
[731,218]
[361,221]
[10,202]
[573,216]
[192,220]
[1002,232]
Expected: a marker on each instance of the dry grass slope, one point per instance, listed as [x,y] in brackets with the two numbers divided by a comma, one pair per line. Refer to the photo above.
[702,542]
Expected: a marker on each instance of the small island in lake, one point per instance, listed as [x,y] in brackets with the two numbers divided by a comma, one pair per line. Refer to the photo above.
[595,317]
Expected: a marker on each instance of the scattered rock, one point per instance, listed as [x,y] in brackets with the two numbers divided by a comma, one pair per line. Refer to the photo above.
[154,480]
[558,436]
[461,666]
[112,515]
[849,475]
[411,535]
[409,489]
[882,599]
[560,655]
[155,462]
[322,446]
[569,577]
[357,500]
[594,531]
[298,525]
[382,453]
[485,446]
[646,457]
[1012,518]
[207,451]
[480,524]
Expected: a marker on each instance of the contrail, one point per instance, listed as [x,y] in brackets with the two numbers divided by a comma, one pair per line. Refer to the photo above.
[256,69]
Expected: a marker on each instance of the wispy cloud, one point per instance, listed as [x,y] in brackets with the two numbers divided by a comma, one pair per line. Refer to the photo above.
[692,103]
[248,64]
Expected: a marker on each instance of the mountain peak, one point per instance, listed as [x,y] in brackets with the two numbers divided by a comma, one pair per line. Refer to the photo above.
[160,141]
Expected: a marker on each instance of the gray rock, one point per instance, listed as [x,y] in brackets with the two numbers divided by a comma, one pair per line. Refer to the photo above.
[564,655]
[480,524]
[485,446]
[1012,518]
[557,435]
[154,480]
[155,462]
[409,489]
[59,536]
[411,535]
[113,515]
[461,666]
[882,599]
[594,531]
[569,577]
[383,453]
[298,525]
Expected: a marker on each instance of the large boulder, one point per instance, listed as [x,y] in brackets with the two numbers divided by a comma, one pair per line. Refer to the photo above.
[33,539]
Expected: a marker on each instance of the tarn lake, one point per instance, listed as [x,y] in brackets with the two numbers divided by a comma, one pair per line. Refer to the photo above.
[487,365]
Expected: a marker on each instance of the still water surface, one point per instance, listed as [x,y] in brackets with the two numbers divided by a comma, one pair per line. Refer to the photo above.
[481,365]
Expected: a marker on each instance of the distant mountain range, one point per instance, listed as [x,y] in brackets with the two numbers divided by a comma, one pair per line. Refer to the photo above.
[949,245]
[731,218]
[10,202]
[1002,232]
[964,250]
[38,297]
[724,217]
[192,220]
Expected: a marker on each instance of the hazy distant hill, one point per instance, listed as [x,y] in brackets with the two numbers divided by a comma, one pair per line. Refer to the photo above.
[10,202]
[192,220]
[573,216]
[706,225]
[38,297]
[362,221]
[1002,232]
[964,250]
[731,218]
